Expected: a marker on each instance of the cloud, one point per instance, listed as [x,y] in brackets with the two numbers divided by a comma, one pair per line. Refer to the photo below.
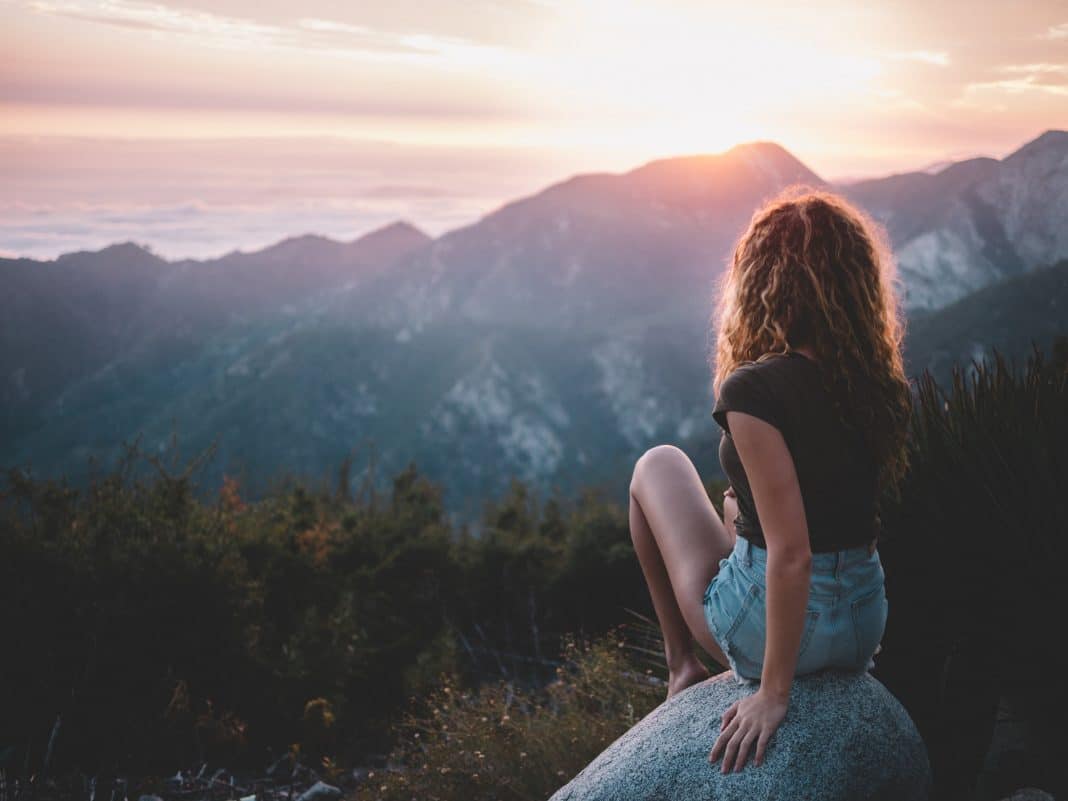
[323,36]
[1040,77]
[894,100]
[403,191]
[1036,79]
[1055,32]
[229,32]
[1038,68]
[1025,84]
[347,40]
[316,24]
[937,58]
[204,198]
[202,230]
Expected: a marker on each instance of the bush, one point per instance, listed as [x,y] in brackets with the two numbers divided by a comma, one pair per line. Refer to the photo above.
[164,631]
[501,741]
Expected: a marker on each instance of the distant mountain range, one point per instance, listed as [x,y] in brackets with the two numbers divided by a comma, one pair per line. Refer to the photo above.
[554,339]
[974,222]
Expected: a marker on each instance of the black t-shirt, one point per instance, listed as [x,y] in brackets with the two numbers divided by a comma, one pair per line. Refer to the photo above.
[836,472]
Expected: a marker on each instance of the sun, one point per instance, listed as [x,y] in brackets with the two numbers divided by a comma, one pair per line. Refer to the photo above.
[681,79]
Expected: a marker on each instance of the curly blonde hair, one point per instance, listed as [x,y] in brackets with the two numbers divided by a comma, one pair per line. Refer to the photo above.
[813,270]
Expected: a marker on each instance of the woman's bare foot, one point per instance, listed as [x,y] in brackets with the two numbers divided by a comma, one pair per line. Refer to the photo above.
[688,673]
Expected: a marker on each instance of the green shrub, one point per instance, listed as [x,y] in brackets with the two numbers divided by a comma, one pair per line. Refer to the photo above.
[165,630]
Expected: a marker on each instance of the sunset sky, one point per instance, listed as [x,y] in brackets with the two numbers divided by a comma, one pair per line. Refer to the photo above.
[197,127]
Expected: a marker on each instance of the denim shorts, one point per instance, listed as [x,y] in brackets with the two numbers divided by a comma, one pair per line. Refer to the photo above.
[844,620]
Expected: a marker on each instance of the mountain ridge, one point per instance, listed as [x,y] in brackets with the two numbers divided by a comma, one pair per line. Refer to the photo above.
[751,152]
[553,339]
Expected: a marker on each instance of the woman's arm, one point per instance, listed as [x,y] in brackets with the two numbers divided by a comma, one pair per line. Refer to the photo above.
[777,496]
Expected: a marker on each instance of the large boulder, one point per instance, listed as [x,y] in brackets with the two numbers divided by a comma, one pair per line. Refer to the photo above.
[845,738]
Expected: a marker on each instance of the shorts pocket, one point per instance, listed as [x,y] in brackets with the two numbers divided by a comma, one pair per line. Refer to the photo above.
[812,619]
[743,640]
[869,622]
[751,597]
[747,636]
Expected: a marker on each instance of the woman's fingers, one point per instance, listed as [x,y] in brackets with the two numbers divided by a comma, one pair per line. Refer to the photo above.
[728,716]
[723,740]
[732,750]
[743,750]
[762,744]
[725,735]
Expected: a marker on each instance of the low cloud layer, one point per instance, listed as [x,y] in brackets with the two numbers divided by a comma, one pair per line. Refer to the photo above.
[202,199]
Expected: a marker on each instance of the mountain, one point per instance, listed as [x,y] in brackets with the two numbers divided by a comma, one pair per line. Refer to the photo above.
[590,250]
[242,285]
[553,339]
[550,340]
[1007,316]
[974,222]
[66,320]
[60,320]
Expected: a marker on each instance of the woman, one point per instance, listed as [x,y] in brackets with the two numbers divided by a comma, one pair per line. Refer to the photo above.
[814,404]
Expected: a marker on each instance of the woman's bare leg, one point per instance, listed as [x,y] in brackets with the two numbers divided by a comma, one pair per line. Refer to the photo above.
[679,540]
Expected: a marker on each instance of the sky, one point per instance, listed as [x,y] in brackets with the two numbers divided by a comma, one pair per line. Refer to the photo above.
[200,126]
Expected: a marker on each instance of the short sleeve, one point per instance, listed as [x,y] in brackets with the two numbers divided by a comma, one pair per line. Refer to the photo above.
[745,390]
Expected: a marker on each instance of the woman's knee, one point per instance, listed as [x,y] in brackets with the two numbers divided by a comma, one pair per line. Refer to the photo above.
[655,460]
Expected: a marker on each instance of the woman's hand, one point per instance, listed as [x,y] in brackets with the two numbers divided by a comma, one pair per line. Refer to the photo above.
[730,509]
[752,720]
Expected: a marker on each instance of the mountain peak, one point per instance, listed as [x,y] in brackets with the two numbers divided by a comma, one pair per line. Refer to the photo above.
[121,252]
[1052,139]
[398,228]
[774,163]
[304,240]
[294,246]
[773,158]
[391,242]
[961,172]
[764,147]
[128,246]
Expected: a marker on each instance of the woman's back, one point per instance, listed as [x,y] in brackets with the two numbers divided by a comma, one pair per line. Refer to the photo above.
[836,473]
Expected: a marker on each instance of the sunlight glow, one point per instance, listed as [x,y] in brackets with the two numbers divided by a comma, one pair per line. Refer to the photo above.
[700,79]
[848,87]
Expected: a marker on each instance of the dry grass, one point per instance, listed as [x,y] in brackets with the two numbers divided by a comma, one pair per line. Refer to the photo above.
[505,742]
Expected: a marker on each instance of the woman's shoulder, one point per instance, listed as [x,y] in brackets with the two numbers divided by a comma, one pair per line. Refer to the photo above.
[743,374]
[759,370]
[747,389]
[780,367]
[784,375]
[785,379]
[778,359]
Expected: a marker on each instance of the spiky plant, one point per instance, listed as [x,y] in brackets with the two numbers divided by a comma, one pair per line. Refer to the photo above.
[974,549]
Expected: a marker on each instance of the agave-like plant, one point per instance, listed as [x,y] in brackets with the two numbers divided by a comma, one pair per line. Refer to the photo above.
[975,546]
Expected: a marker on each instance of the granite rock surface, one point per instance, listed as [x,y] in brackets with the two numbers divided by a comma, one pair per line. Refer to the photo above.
[845,738]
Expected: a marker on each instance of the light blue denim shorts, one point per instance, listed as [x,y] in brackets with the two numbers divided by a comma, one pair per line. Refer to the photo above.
[844,623]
